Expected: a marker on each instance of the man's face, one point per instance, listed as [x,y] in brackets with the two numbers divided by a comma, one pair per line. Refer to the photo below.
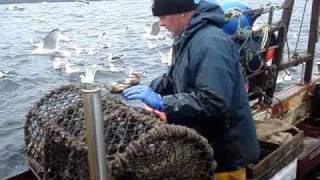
[173,23]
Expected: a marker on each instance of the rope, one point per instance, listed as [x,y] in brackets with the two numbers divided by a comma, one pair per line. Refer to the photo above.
[171,151]
[247,34]
[265,35]
[138,145]
[300,28]
[289,59]
[249,55]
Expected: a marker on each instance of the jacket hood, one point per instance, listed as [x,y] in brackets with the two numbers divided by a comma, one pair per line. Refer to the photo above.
[206,13]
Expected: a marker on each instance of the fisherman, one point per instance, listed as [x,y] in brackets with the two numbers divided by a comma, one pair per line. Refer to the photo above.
[204,87]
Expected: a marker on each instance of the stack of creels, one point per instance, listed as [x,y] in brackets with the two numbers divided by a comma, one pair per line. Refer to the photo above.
[138,145]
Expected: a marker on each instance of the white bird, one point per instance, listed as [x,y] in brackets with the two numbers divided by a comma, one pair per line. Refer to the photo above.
[52,40]
[84,2]
[109,57]
[112,68]
[134,75]
[69,69]
[284,76]
[112,58]
[89,51]
[166,59]
[35,43]
[59,63]
[152,45]
[103,40]
[71,48]
[50,44]
[2,74]
[90,73]
[39,19]
[153,32]
[16,8]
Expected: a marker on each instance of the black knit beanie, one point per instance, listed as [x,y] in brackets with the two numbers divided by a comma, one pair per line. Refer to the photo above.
[167,7]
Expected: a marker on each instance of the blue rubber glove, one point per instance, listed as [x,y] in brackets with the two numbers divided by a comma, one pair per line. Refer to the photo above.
[146,95]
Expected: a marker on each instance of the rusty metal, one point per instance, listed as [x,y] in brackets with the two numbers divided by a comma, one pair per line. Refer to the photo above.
[266,70]
[313,34]
[292,103]
[295,61]
[282,35]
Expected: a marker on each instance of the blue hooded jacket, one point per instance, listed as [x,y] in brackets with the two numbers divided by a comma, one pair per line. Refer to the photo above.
[204,89]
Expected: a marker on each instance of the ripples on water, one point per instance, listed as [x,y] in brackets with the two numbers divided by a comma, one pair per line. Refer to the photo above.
[32,76]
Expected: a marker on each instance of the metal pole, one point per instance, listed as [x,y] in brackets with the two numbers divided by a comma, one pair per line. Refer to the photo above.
[313,33]
[281,40]
[95,134]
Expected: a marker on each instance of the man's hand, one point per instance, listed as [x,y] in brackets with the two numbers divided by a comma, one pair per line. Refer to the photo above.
[160,114]
[146,95]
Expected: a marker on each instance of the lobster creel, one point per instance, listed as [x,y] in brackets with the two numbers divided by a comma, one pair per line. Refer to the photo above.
[138,144]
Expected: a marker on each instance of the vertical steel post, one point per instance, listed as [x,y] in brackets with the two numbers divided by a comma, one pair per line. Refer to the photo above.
[281,40]
[313,34]
[95,135]
[270,16]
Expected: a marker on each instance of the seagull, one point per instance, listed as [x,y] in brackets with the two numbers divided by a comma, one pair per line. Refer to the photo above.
[112,68]
[166,59]
[283,76]
[153,32]
[50,43]
[59,63]
[133,77]
[71,69]
[118,87]
[155,28]
[16,8]
[103,40]
[112,59]
[39,19]
[84,2]
[2,74]
[90,73]
[52,40]
[152,45]
[89,51]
